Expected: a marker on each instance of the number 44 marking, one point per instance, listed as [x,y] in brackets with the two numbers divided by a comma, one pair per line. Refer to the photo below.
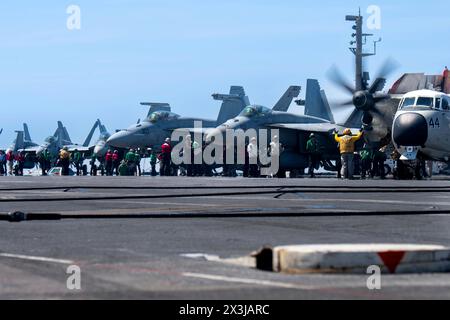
[435,123]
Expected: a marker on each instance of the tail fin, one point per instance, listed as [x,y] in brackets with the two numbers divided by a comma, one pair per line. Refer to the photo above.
[102,128]
[18,142]
[232,104]
[286,100]
[354,120]
[62,135]
[91,133]
[66,136]
[156,106]
[316,102]
[26,132]
[59,133]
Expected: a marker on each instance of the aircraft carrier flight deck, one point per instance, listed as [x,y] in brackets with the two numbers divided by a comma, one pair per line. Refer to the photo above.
[192,238]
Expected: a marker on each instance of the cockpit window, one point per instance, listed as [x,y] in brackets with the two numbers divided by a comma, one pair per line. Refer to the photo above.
[50,139]
[445,104]
[425,102]
[254,111]
[104,136]
[162,116]
[437,104]
[408,102]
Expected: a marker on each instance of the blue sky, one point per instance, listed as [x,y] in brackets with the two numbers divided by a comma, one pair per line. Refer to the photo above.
[182,51]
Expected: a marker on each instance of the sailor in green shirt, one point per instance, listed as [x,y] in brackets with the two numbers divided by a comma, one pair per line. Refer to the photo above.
[137,161]
[77,161]
[313,148]
[366,155]
[130,159]
[123,169]
[44,161]
[153,160]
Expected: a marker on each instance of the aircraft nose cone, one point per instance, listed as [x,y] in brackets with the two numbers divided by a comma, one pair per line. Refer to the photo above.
[214,135]
[410,129]
[119,140]
[100,150]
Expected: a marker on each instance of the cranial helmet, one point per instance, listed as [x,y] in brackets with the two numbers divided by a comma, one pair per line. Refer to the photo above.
[347,132]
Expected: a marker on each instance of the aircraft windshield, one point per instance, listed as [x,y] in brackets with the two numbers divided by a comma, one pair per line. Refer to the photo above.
[420,102]
[425,102]
[408,102]
[50,139]
[254,111]
[162,115]
[104,136]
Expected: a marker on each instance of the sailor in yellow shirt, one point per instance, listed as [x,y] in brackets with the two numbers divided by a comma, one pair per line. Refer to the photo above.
[64,161]
[347,148]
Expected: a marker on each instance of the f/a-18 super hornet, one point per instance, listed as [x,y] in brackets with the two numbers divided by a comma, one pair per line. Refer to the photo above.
[294,128]
[57,141]
[54,143]
[161,122]
[101,146]
[23,142]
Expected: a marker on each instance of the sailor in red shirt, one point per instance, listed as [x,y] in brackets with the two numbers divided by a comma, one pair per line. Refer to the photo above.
[166,150]
[109,163]
[10,161]
[115,162]
[20,162]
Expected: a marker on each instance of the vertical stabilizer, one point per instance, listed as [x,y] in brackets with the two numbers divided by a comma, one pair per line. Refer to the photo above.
[286,100]
[18,143]
[316,102]
[66,136]
[91,133]
[26,132]
[232,103]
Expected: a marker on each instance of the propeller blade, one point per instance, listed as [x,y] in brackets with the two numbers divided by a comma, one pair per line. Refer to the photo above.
[348,103]
[377,85]
[381,97]
[382,115]
[388,67]
[336,77]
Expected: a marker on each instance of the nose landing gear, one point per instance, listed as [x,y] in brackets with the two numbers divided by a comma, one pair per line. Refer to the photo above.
[410,170]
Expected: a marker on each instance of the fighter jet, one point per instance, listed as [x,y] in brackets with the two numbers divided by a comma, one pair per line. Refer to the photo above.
[294,129]
[62,139]
[160,121]
[23,140]
[100,147]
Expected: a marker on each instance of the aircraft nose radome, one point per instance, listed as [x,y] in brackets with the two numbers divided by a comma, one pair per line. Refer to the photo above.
[118,139]
[39,150]
[410,129]
[213,133]
[98,149]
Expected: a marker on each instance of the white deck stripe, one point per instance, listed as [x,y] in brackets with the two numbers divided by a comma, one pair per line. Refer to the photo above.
[247,281]
[33,258]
